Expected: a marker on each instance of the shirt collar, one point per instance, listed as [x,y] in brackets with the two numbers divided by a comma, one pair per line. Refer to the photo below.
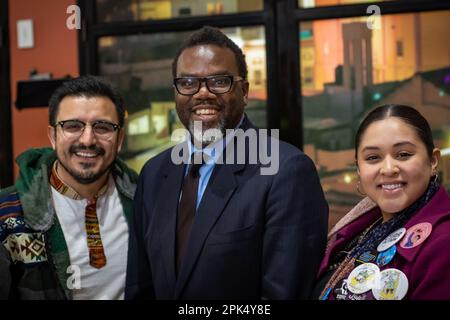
[57,183]
[215,150]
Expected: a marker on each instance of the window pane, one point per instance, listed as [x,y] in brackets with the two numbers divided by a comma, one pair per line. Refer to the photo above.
[141,66]
[138,10]
[320,3]
[348,69]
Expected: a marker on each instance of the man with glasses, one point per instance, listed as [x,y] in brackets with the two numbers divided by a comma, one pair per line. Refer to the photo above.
[214,229]
[64,224]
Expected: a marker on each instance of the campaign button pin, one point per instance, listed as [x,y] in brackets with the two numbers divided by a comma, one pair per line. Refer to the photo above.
[362,278]
[392,285]
[326,295]
[366,257]
[386,256]
[391,239]
[363,296]
[416,235]
[340,290]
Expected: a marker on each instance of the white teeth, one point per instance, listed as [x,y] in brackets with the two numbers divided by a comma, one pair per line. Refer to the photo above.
[86,155]
[205,111]
[391,186]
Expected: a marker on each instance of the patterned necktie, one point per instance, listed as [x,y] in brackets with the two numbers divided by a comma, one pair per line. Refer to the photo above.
[97,257]
[187,206]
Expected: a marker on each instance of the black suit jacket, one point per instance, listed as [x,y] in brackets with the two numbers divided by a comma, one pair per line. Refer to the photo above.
[254,236]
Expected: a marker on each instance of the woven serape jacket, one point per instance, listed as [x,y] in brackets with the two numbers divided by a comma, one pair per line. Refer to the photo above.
[34,259]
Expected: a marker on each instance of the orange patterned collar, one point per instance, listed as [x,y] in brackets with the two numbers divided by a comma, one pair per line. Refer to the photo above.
[57,183]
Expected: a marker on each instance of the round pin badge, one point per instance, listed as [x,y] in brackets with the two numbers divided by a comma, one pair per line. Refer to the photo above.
[386,256]
[391,239]
[362,278]
[340,290]
[416,235]
[392,285]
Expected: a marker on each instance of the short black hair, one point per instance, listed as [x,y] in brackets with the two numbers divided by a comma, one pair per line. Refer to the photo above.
[86,86]
[212,36]
[407,114]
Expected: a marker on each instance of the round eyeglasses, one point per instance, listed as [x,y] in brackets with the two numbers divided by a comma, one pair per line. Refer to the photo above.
[73,129]
[188,86]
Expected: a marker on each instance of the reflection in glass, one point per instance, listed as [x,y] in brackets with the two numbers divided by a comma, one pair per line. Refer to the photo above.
[320,3]
[138,10]
[141,67]
[349,66]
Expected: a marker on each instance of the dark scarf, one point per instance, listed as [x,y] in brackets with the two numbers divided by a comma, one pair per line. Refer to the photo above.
[375,236]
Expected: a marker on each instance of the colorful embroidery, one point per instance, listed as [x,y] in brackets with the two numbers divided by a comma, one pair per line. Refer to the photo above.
[26,247]
[10,206]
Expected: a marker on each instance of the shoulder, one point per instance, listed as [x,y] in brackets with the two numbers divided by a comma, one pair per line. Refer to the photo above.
[160,160]
[294,158]
[5,192]
[22,243]
[439,237]
[9,203]
[124,169]
[427,276]
[156,167]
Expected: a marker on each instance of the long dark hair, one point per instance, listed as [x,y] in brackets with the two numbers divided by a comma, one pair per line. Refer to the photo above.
[407,114]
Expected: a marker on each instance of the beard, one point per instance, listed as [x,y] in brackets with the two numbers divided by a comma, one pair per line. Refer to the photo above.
[206,135]
[86,176]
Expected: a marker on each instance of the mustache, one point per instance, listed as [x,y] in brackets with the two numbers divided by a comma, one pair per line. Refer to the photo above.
[206,103]
[97,149]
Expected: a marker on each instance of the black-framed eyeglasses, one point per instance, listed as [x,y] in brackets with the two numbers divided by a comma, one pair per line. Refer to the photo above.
[219,84]
[73,129]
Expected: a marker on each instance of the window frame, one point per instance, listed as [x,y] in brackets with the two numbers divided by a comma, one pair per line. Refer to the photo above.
[6,162]
[280,19]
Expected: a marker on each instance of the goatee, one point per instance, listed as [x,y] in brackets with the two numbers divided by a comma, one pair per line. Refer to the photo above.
[86,177]
[205,136]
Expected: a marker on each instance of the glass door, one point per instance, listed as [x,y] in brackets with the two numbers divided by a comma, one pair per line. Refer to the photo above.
[315,68]
[139,63]
[347,69]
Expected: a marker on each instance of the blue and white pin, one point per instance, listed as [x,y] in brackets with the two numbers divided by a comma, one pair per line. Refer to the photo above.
[391,239]
[386,256]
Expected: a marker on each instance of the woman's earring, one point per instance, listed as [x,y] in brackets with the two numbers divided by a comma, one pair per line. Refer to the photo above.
[359,191]
[435,177]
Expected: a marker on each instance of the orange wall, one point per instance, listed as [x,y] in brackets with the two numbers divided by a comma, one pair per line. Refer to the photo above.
[55,50]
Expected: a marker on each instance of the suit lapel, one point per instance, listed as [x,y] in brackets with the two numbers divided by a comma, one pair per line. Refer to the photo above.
[166,213]
[220,188]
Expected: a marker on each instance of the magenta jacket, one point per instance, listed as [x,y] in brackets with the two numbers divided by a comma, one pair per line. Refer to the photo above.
[426,266]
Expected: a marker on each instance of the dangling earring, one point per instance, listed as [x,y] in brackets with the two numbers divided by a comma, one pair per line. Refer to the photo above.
[359,191]
[435,177]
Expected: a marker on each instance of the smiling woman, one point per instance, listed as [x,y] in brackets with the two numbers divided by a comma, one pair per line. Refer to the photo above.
[405,217]
[395,160]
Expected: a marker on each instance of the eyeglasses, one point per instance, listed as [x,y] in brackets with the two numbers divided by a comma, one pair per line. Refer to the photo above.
[188,86]
[73,129]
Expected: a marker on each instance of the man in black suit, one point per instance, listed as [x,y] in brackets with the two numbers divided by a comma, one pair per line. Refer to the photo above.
[227,227]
